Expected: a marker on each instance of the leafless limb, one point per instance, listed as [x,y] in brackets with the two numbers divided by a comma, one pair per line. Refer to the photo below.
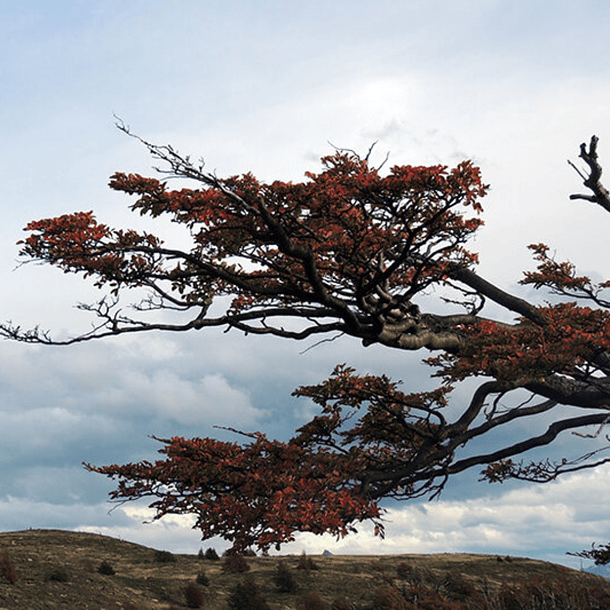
[600,195]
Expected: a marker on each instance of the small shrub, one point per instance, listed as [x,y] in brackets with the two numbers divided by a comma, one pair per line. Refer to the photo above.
[410,573]
[456,587]
[164,557]
[201,554]
[194,596]
[388,598]
[246,596]
[432,600]
[311,601]
[59,575]
[306,563]
[341,604]
[512,598]
[284,579]
[235,564]
[211,554]
[202,579]
[106,569]
[404,570]
[380,575]
[7,569]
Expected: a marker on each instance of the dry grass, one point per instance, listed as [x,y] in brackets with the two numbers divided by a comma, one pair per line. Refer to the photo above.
[141,582]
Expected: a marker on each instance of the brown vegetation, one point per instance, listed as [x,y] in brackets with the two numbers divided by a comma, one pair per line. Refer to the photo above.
[142,582]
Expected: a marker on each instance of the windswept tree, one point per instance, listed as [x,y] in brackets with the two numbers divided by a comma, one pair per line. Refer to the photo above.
[353,250]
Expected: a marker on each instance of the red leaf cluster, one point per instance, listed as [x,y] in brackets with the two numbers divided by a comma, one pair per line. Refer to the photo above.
[350,251]
[256,494]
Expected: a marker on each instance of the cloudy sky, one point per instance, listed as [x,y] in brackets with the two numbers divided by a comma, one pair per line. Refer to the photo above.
[265,86]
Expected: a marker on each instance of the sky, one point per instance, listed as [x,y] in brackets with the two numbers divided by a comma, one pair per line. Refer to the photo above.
[270,86]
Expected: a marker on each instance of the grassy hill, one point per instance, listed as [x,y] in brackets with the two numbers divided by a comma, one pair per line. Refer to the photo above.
[58,569]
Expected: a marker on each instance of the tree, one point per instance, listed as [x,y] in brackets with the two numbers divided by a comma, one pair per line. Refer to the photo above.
[600,554]
[351,250]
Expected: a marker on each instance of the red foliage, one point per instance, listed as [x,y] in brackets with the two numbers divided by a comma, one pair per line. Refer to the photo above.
[345,217]
[309,491]
[194,596]
[347,251]
[569,338]
[311,601]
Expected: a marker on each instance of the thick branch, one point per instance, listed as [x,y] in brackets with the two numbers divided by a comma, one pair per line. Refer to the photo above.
[594,393]
[497,295]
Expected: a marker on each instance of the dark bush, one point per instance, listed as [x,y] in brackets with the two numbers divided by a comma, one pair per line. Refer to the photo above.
[410,573]
[381,578]
[106,569]
[194,596]
[202,579]
[246,596]
[388,598]
[342,604]
[201,554]
[456,587]
[59,575]
[235,564]
[306,563]
[7,569]
[432,600]
[284,579]
[512,598]
[164,557]
[211,554]
[311,601]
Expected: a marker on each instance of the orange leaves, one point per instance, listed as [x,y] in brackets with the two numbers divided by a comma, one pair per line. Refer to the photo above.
[256,494]
[68,242]
[570,338]
[134,183]
[78,243]
[327,242]
[560,277]
[346,389]
[70,230]
[262,492]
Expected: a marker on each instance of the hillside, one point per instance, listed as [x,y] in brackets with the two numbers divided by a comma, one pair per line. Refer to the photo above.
[59,569]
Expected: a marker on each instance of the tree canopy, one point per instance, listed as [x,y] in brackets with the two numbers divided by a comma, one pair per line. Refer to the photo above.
[354,250]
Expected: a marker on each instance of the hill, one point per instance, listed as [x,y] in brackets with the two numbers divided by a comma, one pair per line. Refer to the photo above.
[59,569]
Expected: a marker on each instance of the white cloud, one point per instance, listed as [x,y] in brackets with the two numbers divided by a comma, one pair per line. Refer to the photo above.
[209,399]
[172,533]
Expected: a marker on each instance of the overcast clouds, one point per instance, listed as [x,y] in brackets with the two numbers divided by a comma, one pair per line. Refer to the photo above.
[265,86]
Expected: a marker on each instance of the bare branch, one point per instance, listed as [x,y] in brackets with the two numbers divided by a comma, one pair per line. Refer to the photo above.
[600,195]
